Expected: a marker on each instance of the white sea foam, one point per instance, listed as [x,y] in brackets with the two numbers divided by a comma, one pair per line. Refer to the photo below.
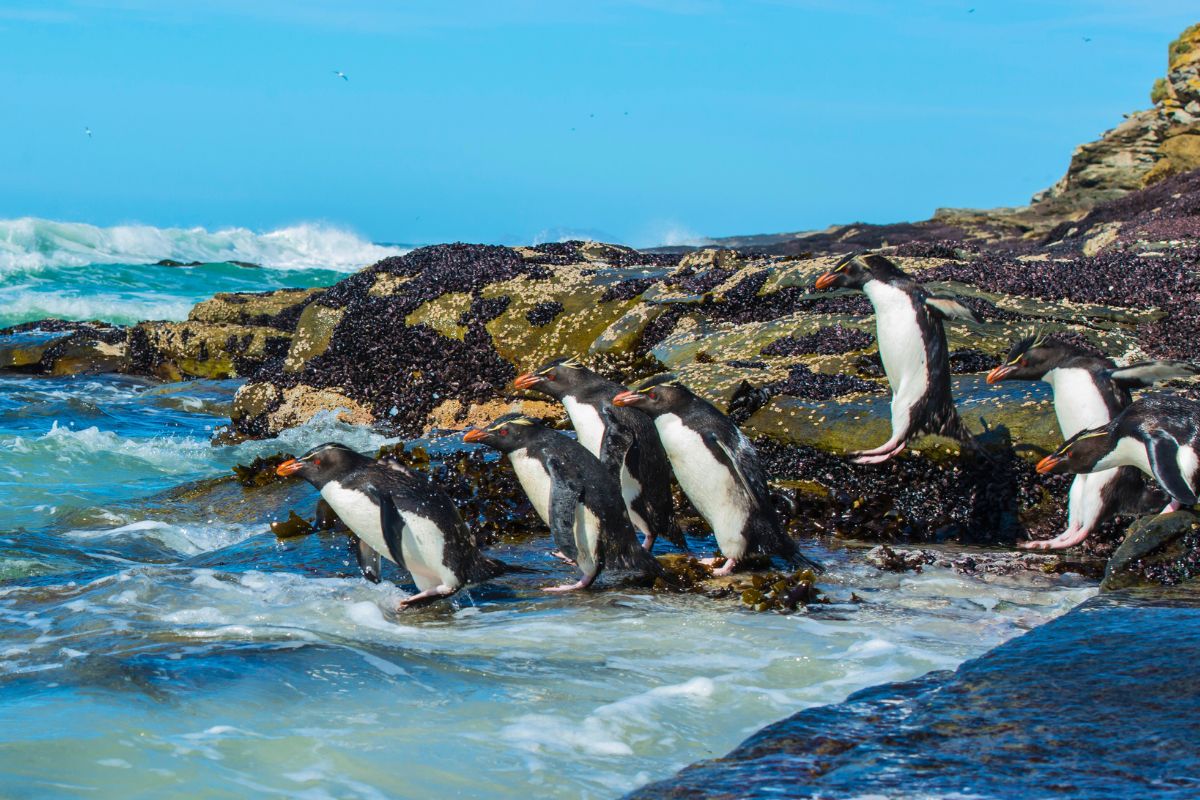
[22,304]
[29,243]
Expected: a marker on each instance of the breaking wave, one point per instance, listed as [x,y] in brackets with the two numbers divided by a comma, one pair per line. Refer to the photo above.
[31,244]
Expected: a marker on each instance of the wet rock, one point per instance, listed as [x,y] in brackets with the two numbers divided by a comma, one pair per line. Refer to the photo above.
[889,560]
[279,309]
[764,589]
[1159,550]
[977,562]
[312,335]
[176,350]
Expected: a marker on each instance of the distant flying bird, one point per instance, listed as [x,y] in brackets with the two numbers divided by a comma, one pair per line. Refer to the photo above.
[970,11]
[88,131]
[1087,38]
[340,74]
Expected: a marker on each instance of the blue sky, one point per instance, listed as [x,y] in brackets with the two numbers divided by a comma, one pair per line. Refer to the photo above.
[630,120]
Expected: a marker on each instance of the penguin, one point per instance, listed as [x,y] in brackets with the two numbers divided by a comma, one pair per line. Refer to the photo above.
[912,347]
[393,511]
[718,469]
[574,494]
[1089,390]
[624,441]
[1158,435]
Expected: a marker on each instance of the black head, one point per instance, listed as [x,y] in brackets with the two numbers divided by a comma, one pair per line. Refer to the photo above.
[324,463]
[1083,452]
[662,394]
[558,378]
[1032,357]
[853,271]
[507,433]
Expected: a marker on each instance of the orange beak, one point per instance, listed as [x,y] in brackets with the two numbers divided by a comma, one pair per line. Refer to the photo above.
[826,280]
[1047,464]
[475,435]
[288,467]
[1000,373]
[527,381]
[626,399]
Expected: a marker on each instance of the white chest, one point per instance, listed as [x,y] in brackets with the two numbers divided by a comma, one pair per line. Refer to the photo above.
[587,423]
[713,489]
[901,343]
[359,512]
[1077,402]
[534,480]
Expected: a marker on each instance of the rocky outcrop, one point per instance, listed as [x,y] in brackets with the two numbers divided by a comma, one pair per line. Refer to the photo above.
[1115,676]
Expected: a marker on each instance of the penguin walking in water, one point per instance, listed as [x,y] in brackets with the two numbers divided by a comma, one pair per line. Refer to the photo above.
[394,512]
[623,439]
[1158,435]
[912,346]
[718,469]
[1089,391]
[573,493]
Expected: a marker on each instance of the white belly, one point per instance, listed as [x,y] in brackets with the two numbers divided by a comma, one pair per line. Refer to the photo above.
[421,541]
[589,428]
[534,480]
[901,349]
[713,490]
[1188,462]
[1077,402]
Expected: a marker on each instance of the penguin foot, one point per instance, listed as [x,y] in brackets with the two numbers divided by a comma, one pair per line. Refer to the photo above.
[567,587]
[726,568]
[648,542]
[1172,507]
[708,562]
[561,556]
[1068,538]
[876,458]
[424,597]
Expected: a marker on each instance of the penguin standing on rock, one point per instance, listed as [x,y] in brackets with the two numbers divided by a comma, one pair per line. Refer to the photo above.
[1158,435]
[573,493]
[718,469]
[912,346]
[1089,390]
[393,511]
[623,439]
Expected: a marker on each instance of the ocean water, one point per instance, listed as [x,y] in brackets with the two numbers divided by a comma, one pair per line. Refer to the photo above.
[81,272]
[160,641]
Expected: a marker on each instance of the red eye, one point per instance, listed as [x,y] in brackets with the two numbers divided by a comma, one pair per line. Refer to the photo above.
[551,376]
[654,395]
[316,462]
[504,431]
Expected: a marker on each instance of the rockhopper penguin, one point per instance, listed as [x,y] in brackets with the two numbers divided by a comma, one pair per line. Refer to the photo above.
[395,512]
[573,493]
[1089,390]
[718,469]
[912,346]
[1158,435]
[623,439]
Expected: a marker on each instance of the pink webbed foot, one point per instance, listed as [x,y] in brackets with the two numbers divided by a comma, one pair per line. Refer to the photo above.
[1172,507]
[429,594]
[726,568]
[561,556]
[566,587]
[1068,538]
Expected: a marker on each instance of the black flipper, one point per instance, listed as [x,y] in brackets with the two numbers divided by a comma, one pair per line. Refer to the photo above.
[368,559]
[729,460]
[1164,453]
[1148,373]
[391,523]
[565,495]
[615,444]
[950,308]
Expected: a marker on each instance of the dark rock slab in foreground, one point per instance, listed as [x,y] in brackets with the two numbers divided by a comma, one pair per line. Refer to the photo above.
[1100,703]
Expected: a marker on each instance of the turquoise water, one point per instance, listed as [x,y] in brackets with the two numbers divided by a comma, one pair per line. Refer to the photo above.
[163,643]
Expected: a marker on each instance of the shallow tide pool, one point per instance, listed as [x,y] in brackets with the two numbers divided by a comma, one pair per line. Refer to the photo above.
[153,643]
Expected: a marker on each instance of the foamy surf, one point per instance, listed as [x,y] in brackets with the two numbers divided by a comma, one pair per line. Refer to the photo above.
[29,243]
